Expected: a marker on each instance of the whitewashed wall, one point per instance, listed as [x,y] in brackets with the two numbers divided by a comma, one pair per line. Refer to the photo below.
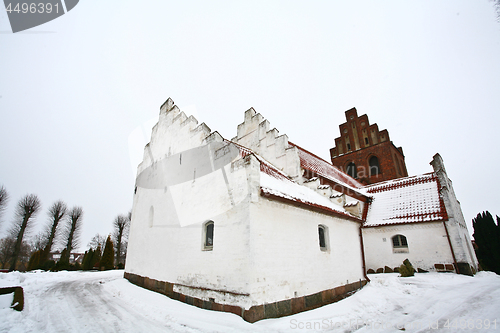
[457,228]
[427,245]
[262,248]
[286,256]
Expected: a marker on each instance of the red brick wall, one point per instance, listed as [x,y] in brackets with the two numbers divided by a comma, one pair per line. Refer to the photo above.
[359,141]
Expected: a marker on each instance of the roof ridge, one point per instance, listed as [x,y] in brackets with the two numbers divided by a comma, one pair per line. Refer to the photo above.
[307,151]
[401,182]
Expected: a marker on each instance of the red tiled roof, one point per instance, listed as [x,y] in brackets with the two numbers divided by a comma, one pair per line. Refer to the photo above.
[406,200]
[265,166]
[321,167]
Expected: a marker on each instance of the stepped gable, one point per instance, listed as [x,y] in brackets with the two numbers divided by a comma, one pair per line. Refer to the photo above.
[255,133]
[407,200]
[173,133]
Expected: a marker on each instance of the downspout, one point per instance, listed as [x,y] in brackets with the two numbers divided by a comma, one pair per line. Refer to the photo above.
[363,253]
[363,218]
[451,247]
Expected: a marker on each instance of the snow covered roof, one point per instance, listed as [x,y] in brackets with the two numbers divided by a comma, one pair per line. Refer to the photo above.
[299,194]
[324,169]
[276,184]
[265,166]
[406,200]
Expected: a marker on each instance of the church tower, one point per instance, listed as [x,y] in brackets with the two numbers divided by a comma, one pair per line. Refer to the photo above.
[365,153]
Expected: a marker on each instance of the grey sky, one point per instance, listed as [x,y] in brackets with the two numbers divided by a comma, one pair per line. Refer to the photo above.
[77,92]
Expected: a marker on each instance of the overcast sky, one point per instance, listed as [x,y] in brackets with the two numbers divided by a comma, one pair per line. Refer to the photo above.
[79,95]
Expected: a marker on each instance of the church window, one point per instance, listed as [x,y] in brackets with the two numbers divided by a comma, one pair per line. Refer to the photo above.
[366,140]
[374,166]
[352,170]
[208,236]
[323,236]
[399,241]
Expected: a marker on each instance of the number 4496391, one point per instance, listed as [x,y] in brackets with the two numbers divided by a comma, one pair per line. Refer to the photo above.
[33,8]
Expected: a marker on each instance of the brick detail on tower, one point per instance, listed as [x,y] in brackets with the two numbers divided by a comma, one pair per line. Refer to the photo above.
[366,153]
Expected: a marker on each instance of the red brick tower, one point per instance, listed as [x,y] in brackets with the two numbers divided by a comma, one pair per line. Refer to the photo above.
[365,153]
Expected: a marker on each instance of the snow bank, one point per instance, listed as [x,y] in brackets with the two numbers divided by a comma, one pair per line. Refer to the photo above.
[105,302]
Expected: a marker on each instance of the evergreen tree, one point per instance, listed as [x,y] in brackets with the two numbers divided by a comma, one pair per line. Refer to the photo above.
[107,260]
[86,259]
[34,262]
[487,238]
[96,258]
[63,263]
[406,269]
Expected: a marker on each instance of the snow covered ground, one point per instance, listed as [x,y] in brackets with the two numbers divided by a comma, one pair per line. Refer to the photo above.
[105,302]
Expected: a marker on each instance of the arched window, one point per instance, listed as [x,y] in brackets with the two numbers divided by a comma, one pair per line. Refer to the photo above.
[352,170]
[323,237]
[374,166]
[399,241]
[208,235]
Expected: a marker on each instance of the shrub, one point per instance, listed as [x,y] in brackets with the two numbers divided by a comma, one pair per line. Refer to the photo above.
[387,269]
[370,271]
[406,269]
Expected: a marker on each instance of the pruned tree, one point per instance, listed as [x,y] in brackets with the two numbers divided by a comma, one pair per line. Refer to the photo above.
[7,245]
[108,255]
[56,213]
[26,210]
[73,229]
[4,198]
[6,249]
[120,226]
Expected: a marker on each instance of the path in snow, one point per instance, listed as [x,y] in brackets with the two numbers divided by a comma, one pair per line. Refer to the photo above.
[105,302]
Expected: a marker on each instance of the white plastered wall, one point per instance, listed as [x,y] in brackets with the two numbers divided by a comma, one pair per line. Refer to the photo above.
[286,256]
[427,245]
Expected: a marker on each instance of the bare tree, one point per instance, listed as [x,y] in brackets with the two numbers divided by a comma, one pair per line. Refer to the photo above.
[38,242]
[56,213]
[4,197]
[26,210]
[120,226]
[98,241]
[73,229]
[7,248]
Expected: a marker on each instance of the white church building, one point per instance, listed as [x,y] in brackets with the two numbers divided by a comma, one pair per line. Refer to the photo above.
[262,228]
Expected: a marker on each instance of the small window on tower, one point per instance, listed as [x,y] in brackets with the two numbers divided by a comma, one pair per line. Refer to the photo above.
[348,146]
[352,170]
[366,140]
[374,166]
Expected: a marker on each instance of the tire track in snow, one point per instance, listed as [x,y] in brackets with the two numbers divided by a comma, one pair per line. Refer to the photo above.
[84,306]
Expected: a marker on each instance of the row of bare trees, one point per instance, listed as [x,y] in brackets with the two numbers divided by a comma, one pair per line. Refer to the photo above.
[63,228]
[119,239]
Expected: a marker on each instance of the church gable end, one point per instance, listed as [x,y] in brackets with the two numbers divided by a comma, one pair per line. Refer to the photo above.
[365,153]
